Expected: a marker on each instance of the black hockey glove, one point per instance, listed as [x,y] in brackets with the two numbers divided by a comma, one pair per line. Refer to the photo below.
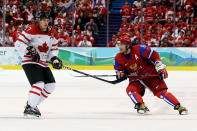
[33,53]
[56,62]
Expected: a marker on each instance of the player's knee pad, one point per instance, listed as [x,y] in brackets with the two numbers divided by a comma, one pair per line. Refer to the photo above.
[161,94]
[132,89]
[49,88]
[37,88]
[129,89]
[135,97]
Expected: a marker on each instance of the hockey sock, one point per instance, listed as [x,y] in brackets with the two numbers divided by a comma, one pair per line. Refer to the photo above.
[135,97]
[169,98]
[48,89]
[34,94]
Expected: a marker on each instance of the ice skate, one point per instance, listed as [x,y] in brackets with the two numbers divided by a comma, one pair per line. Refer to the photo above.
[182,110]
[31,112]
[141,108]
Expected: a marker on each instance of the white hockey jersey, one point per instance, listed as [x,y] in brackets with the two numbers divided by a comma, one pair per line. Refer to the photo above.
[44,43]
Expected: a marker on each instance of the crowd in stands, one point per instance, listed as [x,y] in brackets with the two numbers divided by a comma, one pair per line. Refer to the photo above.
[77,24]
[160,25]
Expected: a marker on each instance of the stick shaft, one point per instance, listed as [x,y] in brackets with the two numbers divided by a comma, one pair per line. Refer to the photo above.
[152,75]
[104,80]
[95,77]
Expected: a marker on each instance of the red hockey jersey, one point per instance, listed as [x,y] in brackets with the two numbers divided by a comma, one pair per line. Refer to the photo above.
[140,61]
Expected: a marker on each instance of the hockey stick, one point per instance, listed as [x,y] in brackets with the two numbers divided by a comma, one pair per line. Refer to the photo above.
[98,76]
[116,75]
[95,77]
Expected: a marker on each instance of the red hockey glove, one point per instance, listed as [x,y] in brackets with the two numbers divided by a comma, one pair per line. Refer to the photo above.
[56,62]
[33,53]
[161,69]
[120,74]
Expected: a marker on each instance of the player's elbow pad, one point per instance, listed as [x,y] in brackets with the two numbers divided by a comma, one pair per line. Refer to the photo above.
[20,47]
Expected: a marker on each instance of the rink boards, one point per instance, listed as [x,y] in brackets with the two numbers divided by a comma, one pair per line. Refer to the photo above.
[102,58]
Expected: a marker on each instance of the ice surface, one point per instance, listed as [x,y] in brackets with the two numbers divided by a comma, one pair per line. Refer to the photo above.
[85,104]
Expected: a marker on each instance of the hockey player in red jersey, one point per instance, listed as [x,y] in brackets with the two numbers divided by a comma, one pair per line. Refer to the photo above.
[38,43]
[147,71]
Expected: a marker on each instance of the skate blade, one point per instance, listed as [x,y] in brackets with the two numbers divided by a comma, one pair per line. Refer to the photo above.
[144,112]
[184,113]
[28,116]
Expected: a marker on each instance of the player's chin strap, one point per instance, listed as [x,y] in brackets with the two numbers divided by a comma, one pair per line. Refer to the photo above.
[93,76]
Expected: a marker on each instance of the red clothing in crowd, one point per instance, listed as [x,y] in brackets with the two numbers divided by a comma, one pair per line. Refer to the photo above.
[126,12]
[149,14]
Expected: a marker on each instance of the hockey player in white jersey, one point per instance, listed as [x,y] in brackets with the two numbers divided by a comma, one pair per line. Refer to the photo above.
[38,43]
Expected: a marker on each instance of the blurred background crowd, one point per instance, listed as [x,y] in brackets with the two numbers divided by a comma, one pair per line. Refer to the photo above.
[101,23]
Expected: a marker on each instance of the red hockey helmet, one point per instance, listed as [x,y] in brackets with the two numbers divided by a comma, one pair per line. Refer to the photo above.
[125,40]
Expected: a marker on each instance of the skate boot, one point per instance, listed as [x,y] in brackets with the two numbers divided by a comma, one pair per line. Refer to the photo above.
[182,110]
[141,108]
[31,112]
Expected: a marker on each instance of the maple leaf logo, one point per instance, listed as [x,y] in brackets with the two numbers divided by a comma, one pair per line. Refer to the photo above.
[43,48]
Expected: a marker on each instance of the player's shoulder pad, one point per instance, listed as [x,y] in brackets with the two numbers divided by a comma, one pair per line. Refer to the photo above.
[142,48]
[31,29]
[118,56]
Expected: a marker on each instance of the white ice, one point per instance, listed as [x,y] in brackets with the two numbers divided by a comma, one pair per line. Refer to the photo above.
[86,104]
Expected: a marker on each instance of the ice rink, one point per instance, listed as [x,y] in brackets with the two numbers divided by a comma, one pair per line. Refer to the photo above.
[85,104]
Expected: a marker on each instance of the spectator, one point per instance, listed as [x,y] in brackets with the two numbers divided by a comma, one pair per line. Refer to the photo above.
[137,4]
[59,17]
[89,31]
[85,42]
[1,35]
[64,39]
[1,31]
[79,23]
[177,30]
[149,13]
[93,25]
[77,38]
[169,25]
[113,43]
[180,39]
[66,3]
[8,39]
[18,16]
[169,13]
[102,12]
[132,36]
[127,11]
[153,41]
[125,23]
[165,43]
[187,43]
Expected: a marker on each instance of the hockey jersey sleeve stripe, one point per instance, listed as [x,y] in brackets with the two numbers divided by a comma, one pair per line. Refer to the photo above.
[26,61]
[54,44]
[54,49]
[21,40]
[25,37]
[150,53]
[29,61]
[27,56]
